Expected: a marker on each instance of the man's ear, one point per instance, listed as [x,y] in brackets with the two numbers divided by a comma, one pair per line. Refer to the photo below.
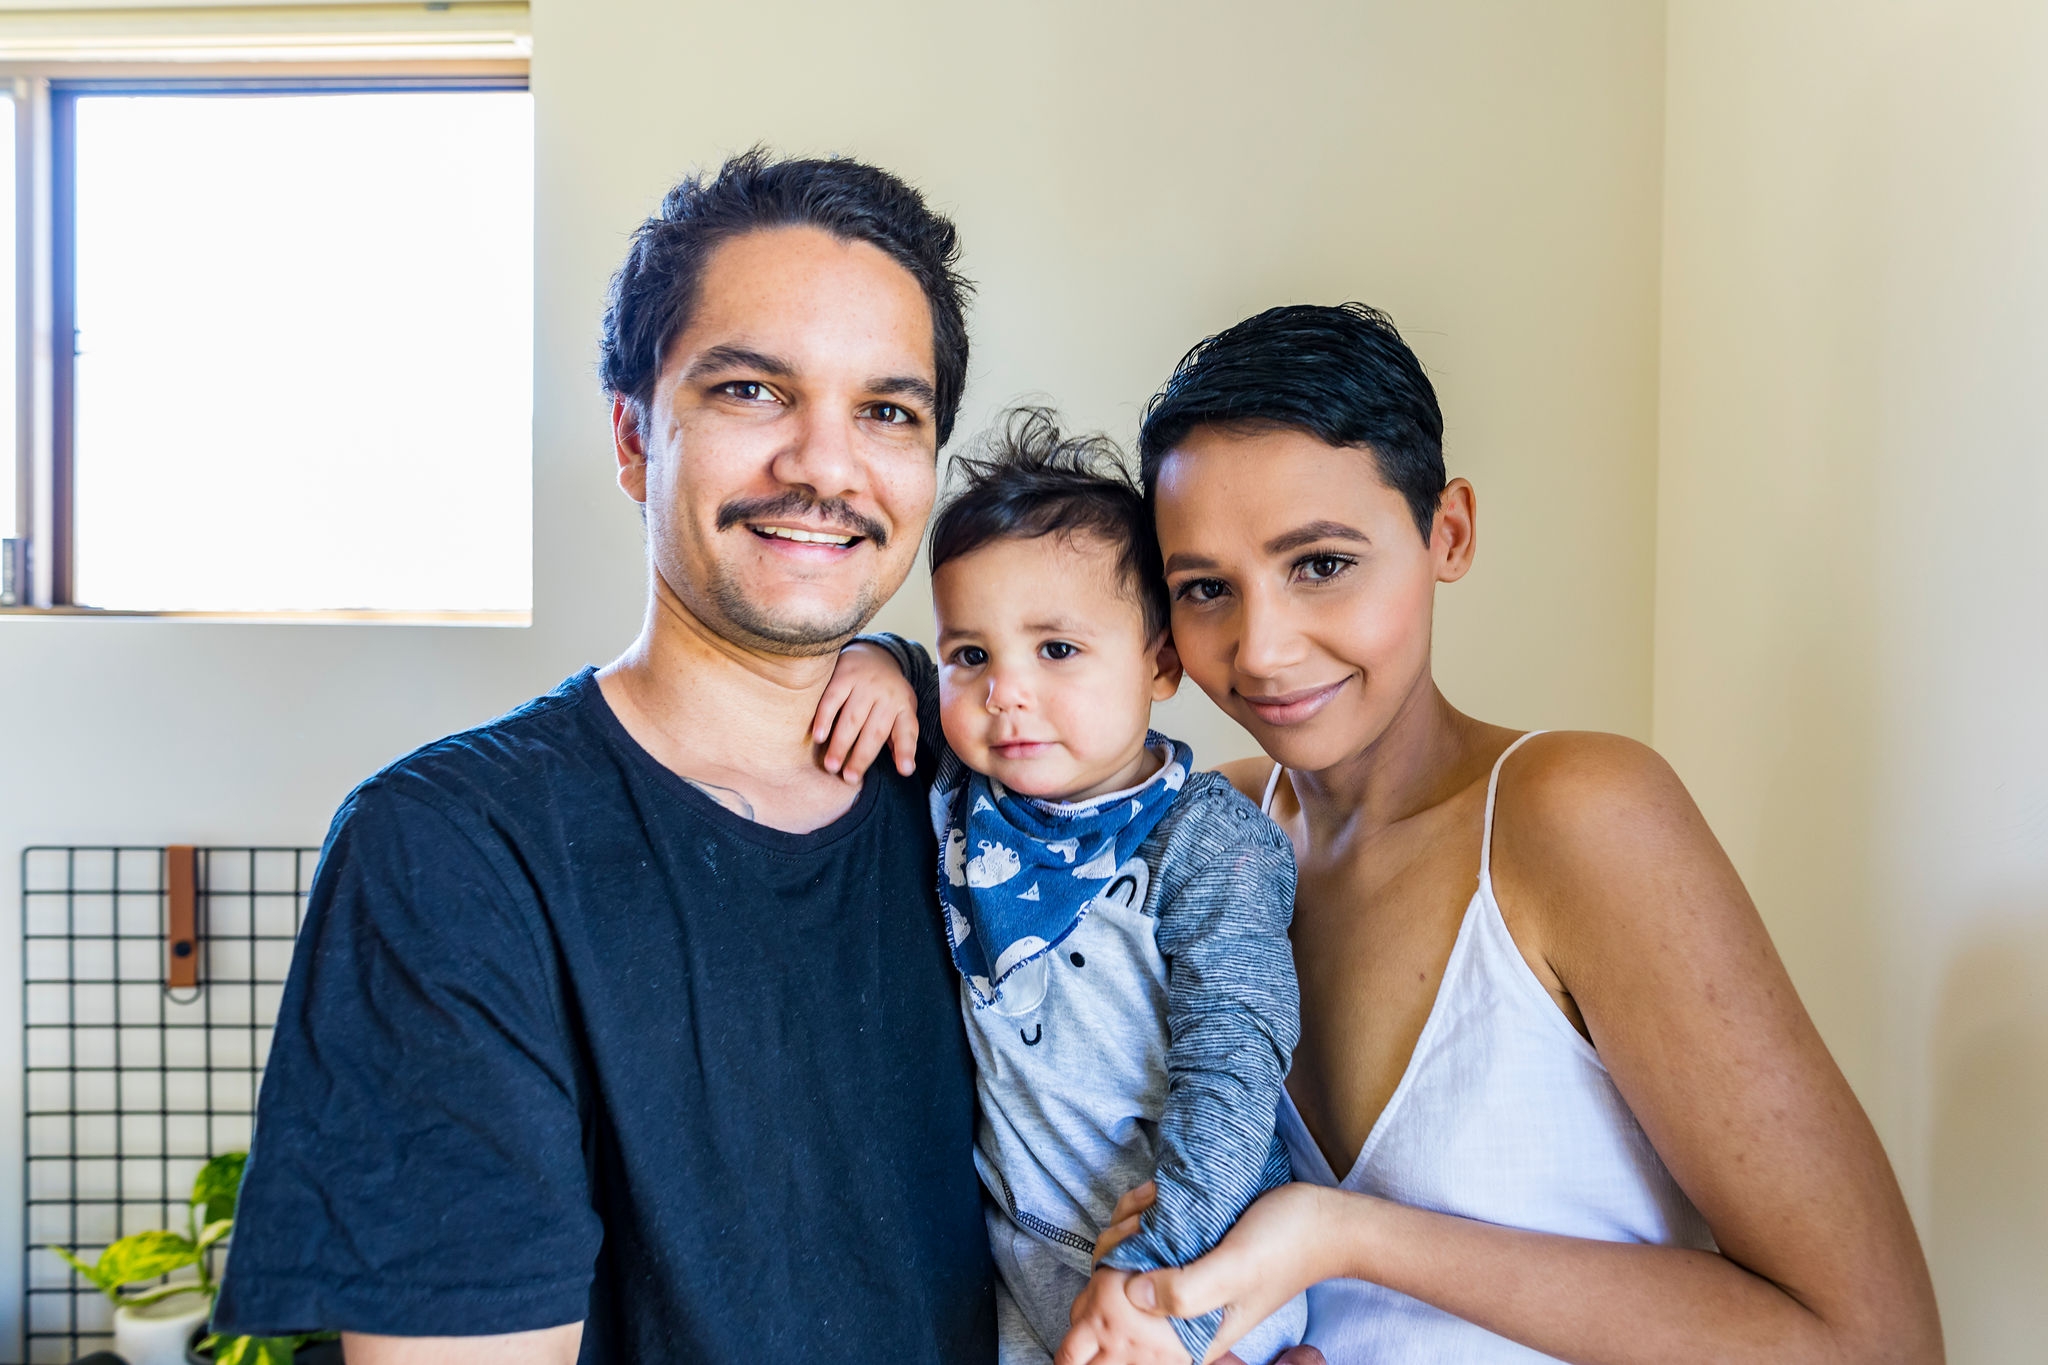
[1454,534]
[630,446]
[1165,667]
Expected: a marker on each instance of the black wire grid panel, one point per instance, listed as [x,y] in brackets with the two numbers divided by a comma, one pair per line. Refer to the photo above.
[131,1088]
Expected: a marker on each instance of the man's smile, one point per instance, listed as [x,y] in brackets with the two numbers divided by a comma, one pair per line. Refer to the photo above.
[803,536]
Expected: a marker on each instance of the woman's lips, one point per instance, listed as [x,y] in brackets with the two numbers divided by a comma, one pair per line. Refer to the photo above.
[1292,708]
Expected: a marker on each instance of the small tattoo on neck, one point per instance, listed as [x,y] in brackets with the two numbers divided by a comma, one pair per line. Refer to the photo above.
[726,797]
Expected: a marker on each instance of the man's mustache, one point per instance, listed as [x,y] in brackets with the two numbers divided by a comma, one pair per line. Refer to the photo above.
[837,511]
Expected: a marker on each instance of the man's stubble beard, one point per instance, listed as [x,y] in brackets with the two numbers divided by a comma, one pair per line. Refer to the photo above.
[760,628]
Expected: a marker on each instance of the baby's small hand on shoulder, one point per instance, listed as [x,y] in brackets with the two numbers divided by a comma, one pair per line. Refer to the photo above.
[868,703]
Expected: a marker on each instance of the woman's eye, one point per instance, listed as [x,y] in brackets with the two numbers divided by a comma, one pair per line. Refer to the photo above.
[970,656]
[1316,568]
[1058,649]
[1201,590]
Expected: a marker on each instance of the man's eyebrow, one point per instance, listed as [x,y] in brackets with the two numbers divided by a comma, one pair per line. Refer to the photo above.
[738,358]
[906,386]
[1313,532]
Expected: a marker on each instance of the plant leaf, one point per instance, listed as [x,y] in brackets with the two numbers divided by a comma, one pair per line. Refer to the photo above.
[253,1350]
[91,1272]
[217,1184]
[162,1292]
[144,1256]
[213,1232]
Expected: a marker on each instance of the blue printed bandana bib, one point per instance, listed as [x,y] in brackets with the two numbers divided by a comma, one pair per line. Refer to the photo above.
[1017,874]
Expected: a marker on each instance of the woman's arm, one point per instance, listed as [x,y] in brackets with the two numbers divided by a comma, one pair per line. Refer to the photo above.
[1618,888]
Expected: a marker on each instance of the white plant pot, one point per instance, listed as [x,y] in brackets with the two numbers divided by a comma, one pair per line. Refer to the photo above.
[157,1333]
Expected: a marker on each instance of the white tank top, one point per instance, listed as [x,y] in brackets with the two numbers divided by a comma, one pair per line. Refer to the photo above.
[1505,1114]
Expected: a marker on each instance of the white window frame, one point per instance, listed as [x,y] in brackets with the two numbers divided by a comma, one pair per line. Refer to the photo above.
[41,444]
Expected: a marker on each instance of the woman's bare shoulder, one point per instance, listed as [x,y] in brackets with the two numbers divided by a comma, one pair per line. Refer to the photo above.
[1585,820]
[1585,784]
[1248,775]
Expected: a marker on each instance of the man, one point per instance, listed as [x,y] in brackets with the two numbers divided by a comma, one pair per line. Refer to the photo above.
[621,1030]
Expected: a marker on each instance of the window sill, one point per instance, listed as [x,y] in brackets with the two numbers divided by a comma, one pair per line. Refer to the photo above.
[274,618]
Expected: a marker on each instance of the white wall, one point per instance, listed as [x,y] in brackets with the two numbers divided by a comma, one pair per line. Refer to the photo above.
[1127,178]
[1852,595]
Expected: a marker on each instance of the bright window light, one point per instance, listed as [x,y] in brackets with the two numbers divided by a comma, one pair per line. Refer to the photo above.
[7,409]
[305,340]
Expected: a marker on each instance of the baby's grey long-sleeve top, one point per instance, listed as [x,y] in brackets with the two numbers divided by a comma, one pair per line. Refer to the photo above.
[1218,887]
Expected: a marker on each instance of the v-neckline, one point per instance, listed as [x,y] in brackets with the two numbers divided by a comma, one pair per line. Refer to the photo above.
[1378,1130]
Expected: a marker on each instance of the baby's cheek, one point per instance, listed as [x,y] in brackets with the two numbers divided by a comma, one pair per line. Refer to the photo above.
[966,729]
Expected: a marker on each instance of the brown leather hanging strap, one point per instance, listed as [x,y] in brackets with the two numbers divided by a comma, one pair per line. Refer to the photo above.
[181,971]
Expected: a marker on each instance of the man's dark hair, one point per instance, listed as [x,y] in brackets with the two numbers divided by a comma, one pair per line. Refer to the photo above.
[1341,374]
[655,291]
[1029,480]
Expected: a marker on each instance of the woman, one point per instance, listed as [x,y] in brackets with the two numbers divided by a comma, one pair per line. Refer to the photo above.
[1577,1112]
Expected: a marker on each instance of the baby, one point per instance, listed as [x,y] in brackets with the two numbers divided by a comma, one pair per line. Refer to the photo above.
[1119,920]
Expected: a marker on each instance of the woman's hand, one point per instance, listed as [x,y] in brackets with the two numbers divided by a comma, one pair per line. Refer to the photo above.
[1284,1243]
[867,704]
[1278,1248]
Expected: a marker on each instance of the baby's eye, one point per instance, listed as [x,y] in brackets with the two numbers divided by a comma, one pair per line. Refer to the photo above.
[1058,649]
[1318,568]
[1201,590]
[970,656]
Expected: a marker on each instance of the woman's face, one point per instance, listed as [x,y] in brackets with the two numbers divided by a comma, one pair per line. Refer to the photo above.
[1302,590]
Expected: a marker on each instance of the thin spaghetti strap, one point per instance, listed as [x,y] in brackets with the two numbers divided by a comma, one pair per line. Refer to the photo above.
[1492,788]
[1272,786]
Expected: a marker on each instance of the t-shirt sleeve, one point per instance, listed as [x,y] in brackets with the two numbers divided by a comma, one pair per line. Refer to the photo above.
[417,1167]
[1233,1013]
[923,674]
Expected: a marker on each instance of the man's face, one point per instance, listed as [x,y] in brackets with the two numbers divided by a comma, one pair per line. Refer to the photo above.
[787,460]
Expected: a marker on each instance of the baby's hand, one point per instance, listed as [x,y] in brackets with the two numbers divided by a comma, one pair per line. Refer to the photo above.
[1108,1329]
[867,704]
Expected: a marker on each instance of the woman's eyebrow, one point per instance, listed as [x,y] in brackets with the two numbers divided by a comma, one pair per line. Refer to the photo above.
[1179,560]
[1313,532]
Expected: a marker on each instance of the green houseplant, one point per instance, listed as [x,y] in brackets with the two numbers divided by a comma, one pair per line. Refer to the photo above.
[156,1325]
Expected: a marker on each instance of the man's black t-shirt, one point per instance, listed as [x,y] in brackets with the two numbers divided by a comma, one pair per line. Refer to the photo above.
[564,1040]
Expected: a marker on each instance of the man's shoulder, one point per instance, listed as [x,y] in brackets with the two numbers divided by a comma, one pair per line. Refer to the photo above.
[519,755]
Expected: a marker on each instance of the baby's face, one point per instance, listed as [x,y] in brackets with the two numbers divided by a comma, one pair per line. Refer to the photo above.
[1046,677]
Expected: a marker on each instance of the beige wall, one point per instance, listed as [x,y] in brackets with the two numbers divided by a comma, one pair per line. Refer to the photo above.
[1130,177]
[1852,596]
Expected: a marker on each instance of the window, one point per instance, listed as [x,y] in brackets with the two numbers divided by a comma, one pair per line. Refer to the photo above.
[299,377]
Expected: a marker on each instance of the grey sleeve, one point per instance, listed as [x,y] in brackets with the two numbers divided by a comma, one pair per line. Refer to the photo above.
[916,663]
[1233,1018]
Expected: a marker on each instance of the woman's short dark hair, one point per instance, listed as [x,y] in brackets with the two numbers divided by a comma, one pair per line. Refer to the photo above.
[1340,373]
[655,291]
[1029,480]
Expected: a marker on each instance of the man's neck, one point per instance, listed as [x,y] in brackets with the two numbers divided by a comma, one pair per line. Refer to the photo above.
[732,720]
